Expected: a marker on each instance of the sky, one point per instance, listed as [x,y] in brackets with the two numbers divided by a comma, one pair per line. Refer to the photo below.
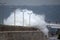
[30,2]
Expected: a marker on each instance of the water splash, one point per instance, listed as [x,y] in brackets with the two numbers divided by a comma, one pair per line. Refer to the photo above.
[35,20]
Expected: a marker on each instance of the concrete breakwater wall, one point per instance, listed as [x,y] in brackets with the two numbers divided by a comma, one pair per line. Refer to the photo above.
[21,36]
[20,33]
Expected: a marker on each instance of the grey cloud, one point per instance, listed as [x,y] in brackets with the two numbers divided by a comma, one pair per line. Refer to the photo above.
[31,2]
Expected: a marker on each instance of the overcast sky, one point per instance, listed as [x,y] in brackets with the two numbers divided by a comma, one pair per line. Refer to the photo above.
[31,2]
